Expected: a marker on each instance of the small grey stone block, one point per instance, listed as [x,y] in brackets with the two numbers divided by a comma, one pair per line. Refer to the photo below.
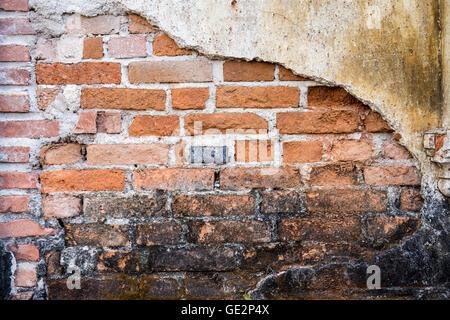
[209,154]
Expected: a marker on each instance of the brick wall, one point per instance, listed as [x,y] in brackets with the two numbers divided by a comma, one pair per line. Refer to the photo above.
[96,133]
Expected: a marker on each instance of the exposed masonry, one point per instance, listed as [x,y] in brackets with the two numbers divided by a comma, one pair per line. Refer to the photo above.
[182,255]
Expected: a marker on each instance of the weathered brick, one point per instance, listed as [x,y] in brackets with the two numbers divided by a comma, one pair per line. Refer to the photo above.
[125,207]
[320,229]
[375,123]
[411,200]
[333,121]
[14,103]
[14,204]
[253,150]
[381,231]
[154,126]
[15,154]
[125,262]
[248,71]
[158,233]
[87,123]
[334,175]
[330,97]
[288,75]
[127,47]
[279,202]
[189,98]
[169,71]
[346,201]
[24,252]
[138,24]
[302,151]
[60,207]
[102,24]
[15,26]
[93,289]
[123,98]
[204,287]
[165,46]
[230,231]
[392,175]
[109,122]
[14,76]
[18,180]
[197,259]
[394,150]
[13,52]
[25,277]
[23,228]
[78,73]
[257,97]
[265,257]
[94,234]
[46,97]
[33,129]
[174,179]
[93,48]
[66,153]
[123,154]
[213,205]
[14,5]
[45,49]
[52,261]
[250,178]
[352,150]
[82,180]
[221,122]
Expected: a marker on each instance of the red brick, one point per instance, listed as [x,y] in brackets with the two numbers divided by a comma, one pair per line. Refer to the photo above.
[127,154]
[14,204]
[214,205]
[127,47]
[123,98]
[122,261]
[101,24]
[99,235]
[375,123]
[154,126]
[330,97]
[302,151]
[93,48]
[24,228]
[109,122]
[251,178]
[257,97]
[320,229]
[60,207]
[10,76]
[87,123]
[14,5]
[281,202]
[33,129]
[25,277]
[288,75]
[15,26]
[189,98]
[174,179]
[392,175]
[159,233]
[333,121]
[346,201]
[253,151]
[169,71]
[12,52]
[15,154]
[334,175]
[138,24]
[165,46]
[384,230]
[394,150]
[230,232]
[221,122]
[78,73]
[352,150]
[67,153]
[18,180]
[14,103]
[46,97]
[82,180]
[25,252]
[248,71]
[411,200]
